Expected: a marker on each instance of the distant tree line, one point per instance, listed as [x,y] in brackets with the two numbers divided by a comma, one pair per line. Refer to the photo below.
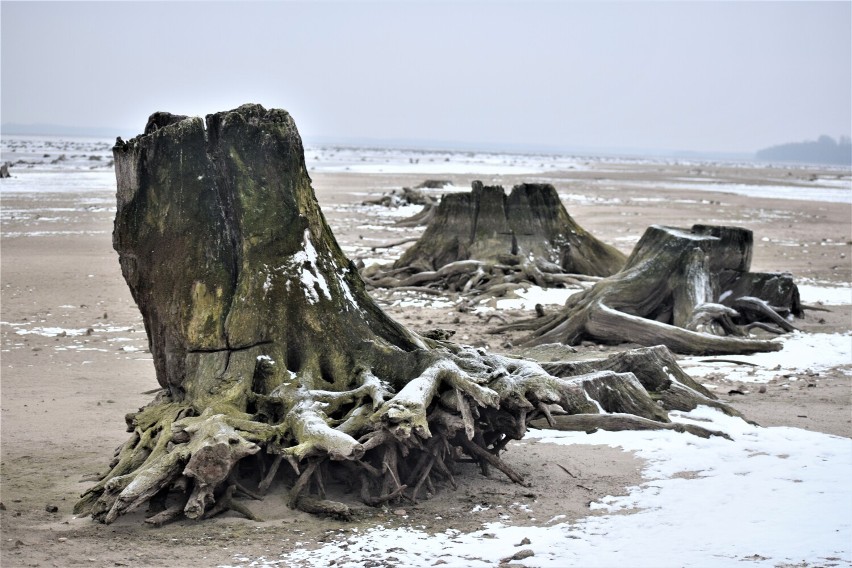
[825,150]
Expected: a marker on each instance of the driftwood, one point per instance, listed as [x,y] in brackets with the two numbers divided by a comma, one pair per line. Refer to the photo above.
[689,290]
[276,368]
[404,196]
[485,239]
[590,423]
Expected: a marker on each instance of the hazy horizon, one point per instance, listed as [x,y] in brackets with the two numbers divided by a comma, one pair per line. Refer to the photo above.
[680,77]
[418,144]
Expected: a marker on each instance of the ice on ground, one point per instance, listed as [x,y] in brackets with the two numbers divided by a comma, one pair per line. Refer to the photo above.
[771,496]
[18,234]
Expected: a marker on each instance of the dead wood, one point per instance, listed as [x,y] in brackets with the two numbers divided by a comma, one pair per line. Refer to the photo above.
[496,239]
[590,423]
[395,244]
[402,197]
[689,290]
[267,347]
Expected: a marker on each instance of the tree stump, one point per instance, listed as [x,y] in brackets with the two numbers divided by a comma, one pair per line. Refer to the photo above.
[689,290]
[269,350]
[485,239]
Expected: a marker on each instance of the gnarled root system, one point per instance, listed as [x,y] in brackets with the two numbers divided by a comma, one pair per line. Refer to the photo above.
[384,446]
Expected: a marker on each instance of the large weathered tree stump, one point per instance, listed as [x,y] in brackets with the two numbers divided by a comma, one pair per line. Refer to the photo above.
[269,350]
[486,239]
[689,290]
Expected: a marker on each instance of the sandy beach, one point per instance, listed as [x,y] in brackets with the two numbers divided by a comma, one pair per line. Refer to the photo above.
[75,360]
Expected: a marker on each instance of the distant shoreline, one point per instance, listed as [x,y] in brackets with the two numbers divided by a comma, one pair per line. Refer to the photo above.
[414,144]
[435,147]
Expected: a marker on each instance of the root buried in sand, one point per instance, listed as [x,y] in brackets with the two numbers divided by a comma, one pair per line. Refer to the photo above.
[269,350]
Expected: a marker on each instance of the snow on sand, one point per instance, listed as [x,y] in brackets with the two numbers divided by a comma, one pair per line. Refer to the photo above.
[771,496]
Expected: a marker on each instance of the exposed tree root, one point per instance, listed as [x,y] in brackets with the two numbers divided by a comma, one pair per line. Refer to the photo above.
[688,290]
[467,404]
[488,242]
[269,352]
[590,423]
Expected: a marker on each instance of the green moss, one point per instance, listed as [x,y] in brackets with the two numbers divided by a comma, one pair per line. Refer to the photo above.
[206,315]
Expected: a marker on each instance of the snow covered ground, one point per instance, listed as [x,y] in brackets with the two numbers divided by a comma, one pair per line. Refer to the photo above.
[770,497]
[802,353]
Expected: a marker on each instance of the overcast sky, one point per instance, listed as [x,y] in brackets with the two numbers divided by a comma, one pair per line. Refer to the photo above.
[732,76]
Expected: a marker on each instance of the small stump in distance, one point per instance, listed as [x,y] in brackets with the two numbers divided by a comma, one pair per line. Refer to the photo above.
[487,241]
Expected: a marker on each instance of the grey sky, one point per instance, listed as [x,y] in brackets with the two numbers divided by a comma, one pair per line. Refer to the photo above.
[733,76]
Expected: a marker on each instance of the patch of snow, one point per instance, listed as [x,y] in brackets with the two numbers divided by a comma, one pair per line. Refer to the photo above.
[344,287]
[529,297]
[400,212]
[802,352]
[51,331]
[303,264]
[826,293]
[311,277]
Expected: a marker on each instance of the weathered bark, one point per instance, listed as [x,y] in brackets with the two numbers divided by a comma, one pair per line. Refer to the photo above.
[493,239]
[269,350]
[689,290]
